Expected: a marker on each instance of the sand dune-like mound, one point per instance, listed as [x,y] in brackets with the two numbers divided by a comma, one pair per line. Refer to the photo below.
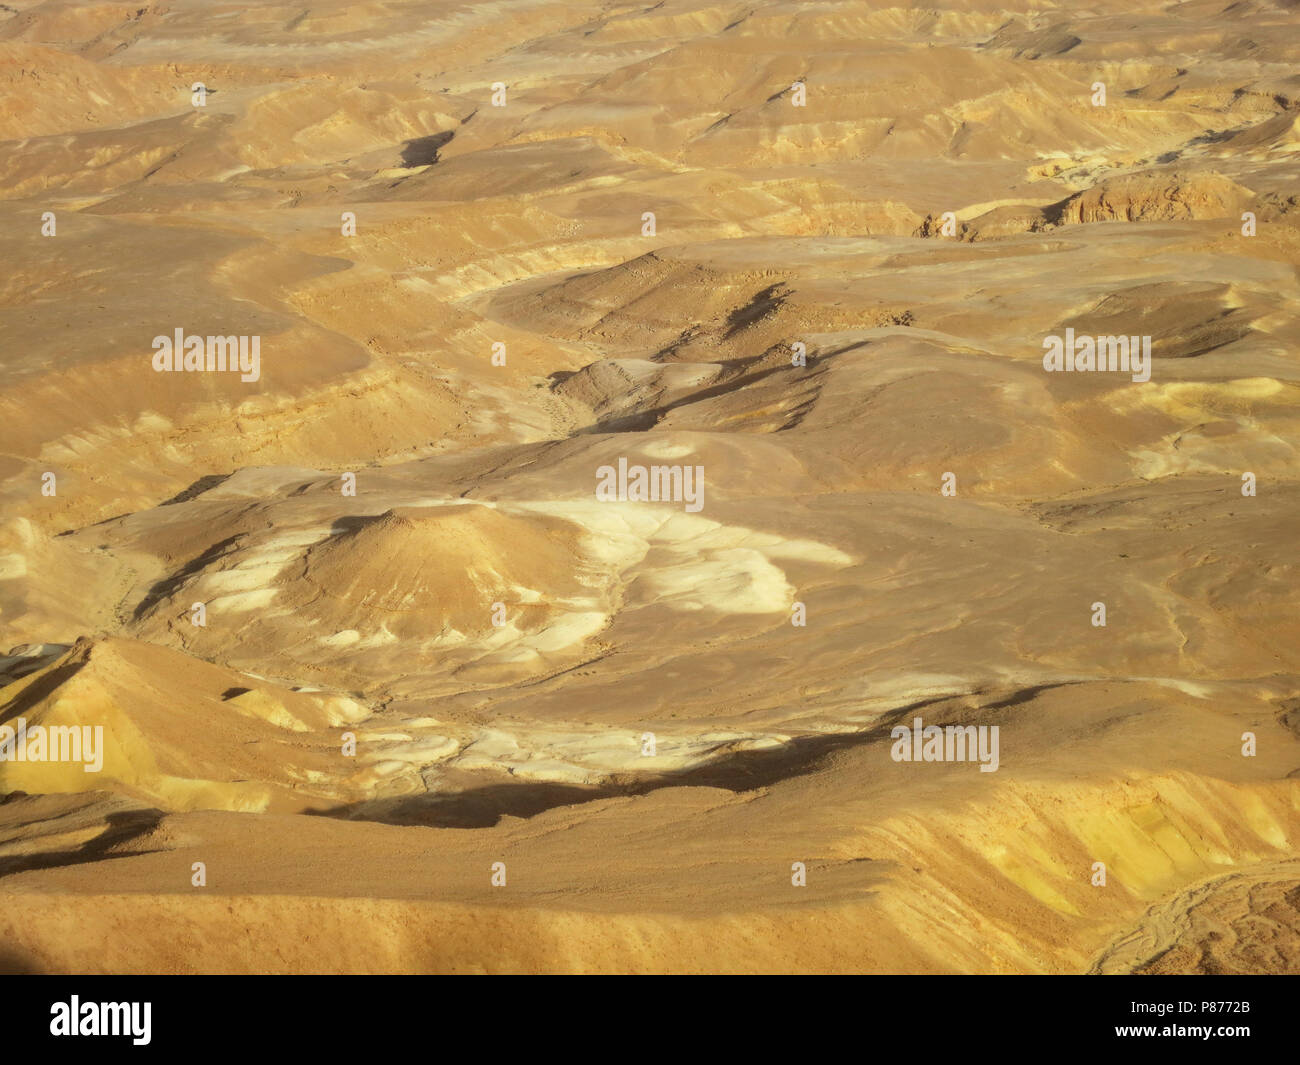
[1183,319]
[626,390]
[1157,196]
[674,307]
[423,572]
[519,171]
[428,584]
[651,421]
[76,93]
[155,725]
[638,303]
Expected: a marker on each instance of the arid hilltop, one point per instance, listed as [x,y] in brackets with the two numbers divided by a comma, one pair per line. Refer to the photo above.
[515,486]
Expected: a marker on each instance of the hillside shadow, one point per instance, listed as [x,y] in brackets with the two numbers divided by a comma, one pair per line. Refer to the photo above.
[121,827]
[15,963]
[173,583]
[423,151]
[738,772]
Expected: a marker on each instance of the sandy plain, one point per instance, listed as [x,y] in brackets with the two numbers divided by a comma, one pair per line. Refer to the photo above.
[517,734]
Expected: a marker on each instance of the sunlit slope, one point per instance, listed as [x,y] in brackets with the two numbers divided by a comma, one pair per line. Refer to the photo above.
[360,622]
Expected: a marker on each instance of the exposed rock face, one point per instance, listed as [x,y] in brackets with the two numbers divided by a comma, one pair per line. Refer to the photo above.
[1158,196]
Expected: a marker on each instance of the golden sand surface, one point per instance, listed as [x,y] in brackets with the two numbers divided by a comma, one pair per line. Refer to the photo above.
[385,682]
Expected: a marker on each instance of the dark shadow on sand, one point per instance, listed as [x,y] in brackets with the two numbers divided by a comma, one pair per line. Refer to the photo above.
[739,772]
